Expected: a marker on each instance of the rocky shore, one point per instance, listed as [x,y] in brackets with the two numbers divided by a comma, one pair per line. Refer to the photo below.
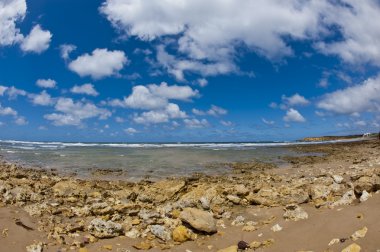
[256,207]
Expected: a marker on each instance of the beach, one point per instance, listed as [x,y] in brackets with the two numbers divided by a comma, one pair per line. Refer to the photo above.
[326,199]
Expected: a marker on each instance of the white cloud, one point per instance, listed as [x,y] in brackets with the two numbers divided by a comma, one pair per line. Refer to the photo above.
[37,41]
[14,92]
[21,121]
[43,99]
[70,112]
[11,12]
[66,49]
[46,83]
[130,131]
[202,82]
[171,111]
[360,123]
[87,89]
[195,123]
[213,111]
[364,97]
[267,122]
[154,96]
[5,111]
[293,115]
[2,90]
[295,100]
[207,34]
[119,119]
[101,63]
[227,123]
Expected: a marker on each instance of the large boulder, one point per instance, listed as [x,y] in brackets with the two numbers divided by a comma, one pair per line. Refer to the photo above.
[366,183]
[104,229]
[199,220]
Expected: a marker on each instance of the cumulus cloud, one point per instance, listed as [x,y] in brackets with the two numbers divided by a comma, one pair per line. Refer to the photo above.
[99,64]
[21,121]
[73,113]
[2,90]
[155,96]
[87,89]
[208,34]
[293,115]
[171,111]
[43,99]
[46,83]
[267,122]
[130,131]
[295,100]
[11,12]
[5,111]
[364,97]
[14,92]
[65,50]
[196,123]
[226,123]
[37,41]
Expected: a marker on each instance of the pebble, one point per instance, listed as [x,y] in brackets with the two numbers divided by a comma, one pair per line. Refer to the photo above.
[276,228]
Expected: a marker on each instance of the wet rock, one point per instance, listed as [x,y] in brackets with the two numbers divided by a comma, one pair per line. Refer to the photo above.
[233,248]
[295,213]
[276,228]
[352,248]
[181,234]
[199,220]
[359,234]
[104,229]
[160,232]
[365,196]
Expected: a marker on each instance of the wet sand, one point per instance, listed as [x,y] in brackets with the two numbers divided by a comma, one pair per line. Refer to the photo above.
[43,207]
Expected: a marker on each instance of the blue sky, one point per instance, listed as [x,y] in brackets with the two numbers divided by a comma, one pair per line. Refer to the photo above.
[218,70]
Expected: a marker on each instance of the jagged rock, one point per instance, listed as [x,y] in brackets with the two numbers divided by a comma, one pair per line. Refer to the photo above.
[160,232]
[359,234]
[234,199]
[199,220]
[365,196]
[162,191]
[193,197]
[337,179]
[346,199]
[241,190]
[205,203]
[239,221]
[319,191]
[133,233]
[181,234]
[352,248]
[295,212]
[104,229]
[369,184]
[233,248]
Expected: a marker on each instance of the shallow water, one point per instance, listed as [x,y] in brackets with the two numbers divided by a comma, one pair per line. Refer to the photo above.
[137,161]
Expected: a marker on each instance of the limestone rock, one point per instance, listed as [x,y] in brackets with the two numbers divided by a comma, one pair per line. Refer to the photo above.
[239,221]
[160,232]
[365,196]
[369,184]
[295,212]
[181,234]
[276,228]
[319,191]
[346,199]
[359,234]
[162,191]
[337,179]
[199,220]
[34,247]
[352,248]
[104,229]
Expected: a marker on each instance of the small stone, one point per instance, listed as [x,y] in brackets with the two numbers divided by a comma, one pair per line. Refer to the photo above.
[181,234]
[199,219]
[352,248]
[359,234]
[337,179]
[276,228]
[334,241]
[295,213]
[233,248]
[365,196]
[255,245]
[205,203]
[160,232]
[107,247]
[234,199]
[133,233]
[243,245]
[34,247]
[239,221]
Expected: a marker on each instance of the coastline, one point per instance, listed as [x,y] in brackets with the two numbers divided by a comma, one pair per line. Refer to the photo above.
[68,213]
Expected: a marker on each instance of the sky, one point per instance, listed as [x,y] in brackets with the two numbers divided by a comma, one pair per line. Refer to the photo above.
[188,71]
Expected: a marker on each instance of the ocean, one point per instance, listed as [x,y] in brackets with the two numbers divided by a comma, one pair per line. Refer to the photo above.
[136,161]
